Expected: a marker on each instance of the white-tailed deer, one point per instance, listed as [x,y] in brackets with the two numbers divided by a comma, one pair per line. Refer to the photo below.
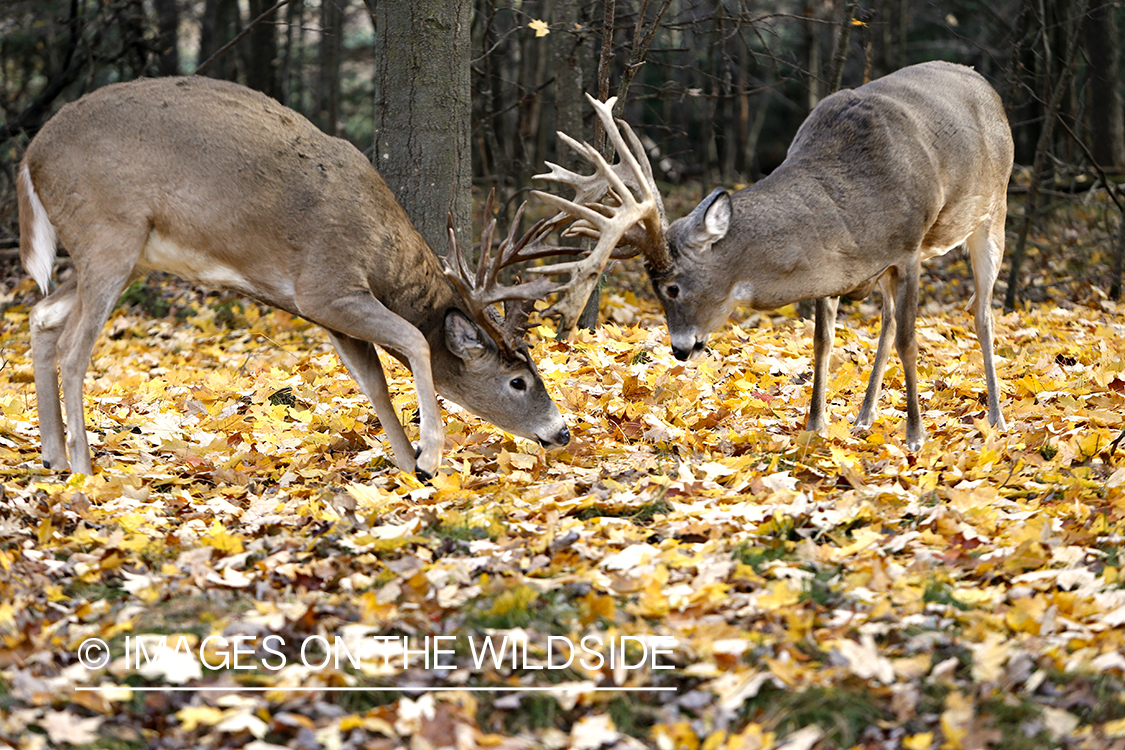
[877,180]
[223,186]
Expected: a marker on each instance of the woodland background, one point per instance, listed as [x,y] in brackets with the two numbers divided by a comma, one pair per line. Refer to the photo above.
[717,87]
[825,591]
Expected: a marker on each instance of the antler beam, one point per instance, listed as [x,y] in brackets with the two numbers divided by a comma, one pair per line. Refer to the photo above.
[482,289]
[634,216]
[631,216]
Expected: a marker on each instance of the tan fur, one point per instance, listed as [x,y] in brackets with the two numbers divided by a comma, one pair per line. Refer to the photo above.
[224,186]
[876,181]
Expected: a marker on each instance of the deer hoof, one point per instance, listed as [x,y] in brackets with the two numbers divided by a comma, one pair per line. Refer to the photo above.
[424,474]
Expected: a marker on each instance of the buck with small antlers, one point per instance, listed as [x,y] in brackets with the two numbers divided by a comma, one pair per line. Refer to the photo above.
[877,180]
[221,185]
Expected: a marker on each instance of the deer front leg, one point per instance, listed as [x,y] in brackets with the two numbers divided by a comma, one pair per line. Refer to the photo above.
[46,322]
[824,332]
[907,344]
[363,364]
[888,288]
[361,316]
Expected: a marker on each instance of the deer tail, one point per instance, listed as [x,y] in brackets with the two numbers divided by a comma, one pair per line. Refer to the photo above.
[38,238]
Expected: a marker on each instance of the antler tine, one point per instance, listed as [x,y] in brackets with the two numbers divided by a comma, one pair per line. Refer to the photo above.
[643,162]
[481,289]
[510,246]
[634,170]
[455,256]
[486,272]
[638,176]
[470,284]
[517,311]
[637,219]
[610,227]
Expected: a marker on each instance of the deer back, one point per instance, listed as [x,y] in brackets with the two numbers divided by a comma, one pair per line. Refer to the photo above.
[233,190]
[240,192]
[916,159]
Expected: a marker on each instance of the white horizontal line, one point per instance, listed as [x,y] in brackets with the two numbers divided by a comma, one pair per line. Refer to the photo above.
[402,689]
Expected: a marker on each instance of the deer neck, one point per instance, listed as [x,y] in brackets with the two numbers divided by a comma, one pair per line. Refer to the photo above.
[787,233]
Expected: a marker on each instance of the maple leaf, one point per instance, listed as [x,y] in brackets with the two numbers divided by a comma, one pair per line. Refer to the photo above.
[797,573]
[65,728]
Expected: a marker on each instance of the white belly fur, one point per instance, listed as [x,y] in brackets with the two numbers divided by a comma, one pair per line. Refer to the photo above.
[163,254]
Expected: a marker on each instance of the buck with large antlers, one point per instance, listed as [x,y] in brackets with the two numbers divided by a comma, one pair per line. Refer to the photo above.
[223,186]
[877,180]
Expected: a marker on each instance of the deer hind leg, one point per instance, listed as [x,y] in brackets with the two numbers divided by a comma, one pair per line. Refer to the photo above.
[46,321]
[363,363]
[888,289]
[824,332]
[907,344]
[104,265]
[986,248]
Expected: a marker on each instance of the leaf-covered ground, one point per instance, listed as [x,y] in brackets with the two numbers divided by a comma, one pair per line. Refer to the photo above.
[822,590]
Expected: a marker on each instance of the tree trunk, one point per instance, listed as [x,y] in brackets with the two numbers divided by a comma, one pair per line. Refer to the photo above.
[812,61]
[1107,110]
[289,77]
[261,51]
[743,157]
[588,320]
[570,104]
[843,41]
[1058,90]
[1118,262]
[331,43]
[566,51]
[217,27]
[493,160]
[532,70]
[168,29]
[422,110]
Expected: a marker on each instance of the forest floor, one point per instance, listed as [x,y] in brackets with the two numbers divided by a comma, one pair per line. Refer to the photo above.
[693,571]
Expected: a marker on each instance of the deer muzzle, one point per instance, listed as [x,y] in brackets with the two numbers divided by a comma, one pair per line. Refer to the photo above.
[557,439]
[688,347]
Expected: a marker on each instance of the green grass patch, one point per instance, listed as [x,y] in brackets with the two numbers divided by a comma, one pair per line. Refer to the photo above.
[1016,719]
[759,556]
[553,613]
[841,712]
[144,295]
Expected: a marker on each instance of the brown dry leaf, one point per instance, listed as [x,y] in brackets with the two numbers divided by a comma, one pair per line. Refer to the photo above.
[65,728]
[244,489]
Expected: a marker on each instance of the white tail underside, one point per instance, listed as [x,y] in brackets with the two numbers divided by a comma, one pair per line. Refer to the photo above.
[44,238]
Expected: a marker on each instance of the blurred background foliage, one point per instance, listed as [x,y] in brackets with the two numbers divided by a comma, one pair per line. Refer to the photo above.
[716,87]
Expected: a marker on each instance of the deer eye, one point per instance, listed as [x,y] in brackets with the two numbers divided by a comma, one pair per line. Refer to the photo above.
[518,384]
[673,291]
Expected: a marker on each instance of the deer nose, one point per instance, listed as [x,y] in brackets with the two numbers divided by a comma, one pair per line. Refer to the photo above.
[559,439]
[683,353]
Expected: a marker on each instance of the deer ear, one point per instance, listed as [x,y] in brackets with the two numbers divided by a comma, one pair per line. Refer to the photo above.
[709,221]
[462,337]
[716,214]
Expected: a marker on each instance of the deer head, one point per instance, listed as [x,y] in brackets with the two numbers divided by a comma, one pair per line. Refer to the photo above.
[223,186]
[876,181]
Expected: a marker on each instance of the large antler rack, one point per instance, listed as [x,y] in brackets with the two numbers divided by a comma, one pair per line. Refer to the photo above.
[633,215]
[482,290]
